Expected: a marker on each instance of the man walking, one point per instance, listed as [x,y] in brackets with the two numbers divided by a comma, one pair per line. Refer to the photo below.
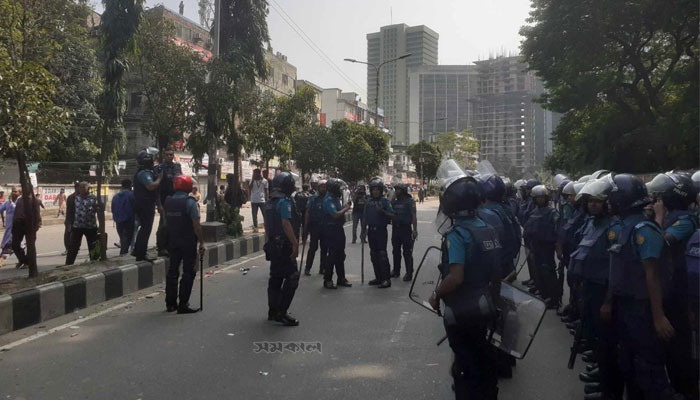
[8,207]
[145,196]
[170,170]
[70,216]
[258,195]
[61,200]
[19,227]
[85,223]
[123,215]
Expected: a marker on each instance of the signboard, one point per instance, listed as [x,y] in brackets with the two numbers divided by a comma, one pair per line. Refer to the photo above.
[32,178]
[322,118]
[227,167]
[246,170]
[350,116]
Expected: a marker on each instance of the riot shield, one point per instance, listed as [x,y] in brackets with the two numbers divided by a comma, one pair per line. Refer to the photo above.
[520,318]
[426,278]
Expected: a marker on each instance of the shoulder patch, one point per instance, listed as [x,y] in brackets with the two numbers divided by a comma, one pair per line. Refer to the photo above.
[676,223]
[640,239]
[611,235]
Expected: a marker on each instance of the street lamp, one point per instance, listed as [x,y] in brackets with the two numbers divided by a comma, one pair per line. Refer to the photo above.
[377,68]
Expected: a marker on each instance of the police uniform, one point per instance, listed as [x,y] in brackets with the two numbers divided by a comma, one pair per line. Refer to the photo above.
[333,236]
[568,237]
[145,209]
[166,188]
[402,233]
[376,221]
[496,215]
[300,201]
[358,210]
[591,262]
[692,254]
[180,211]
[315,209]
[472,243]
[284,276]
[540,234]
[635,239]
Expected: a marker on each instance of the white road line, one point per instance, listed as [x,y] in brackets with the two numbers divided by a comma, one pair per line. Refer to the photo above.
[400,325]
[39,335]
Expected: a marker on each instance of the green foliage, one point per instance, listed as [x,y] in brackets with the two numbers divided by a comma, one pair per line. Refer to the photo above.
[314,149]
[169,77]
[625,75]
[361,150]
[460,146]
[232,218]
[243,35]
[430,159]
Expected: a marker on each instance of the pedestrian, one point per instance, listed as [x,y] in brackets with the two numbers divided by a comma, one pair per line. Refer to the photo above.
[184,232]
[169,170]
[145,198]
[346,195]
[637,279]
[421,194]
[333,235]
[301,199]
[540,234]
[404,231]
[674,193]
[196,195]
[469,282]
[234,196]
[258,195]
[8,207]
[70,216]
[84,224]
[123,215]
[358,209]
[281,249]
[61,200]
[20,229]
[378,214]
[37,196]
[2,213]
[313,223]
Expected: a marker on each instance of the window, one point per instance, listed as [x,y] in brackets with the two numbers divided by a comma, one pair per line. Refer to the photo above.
[285,80]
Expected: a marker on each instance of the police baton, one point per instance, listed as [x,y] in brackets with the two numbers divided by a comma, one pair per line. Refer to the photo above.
[303,248]
[201,282]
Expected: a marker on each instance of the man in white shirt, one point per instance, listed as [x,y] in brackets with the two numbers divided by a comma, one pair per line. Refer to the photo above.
[258,195]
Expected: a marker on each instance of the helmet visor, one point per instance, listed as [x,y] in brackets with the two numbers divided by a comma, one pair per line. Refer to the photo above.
[449,172]
[597,189]
[659,184]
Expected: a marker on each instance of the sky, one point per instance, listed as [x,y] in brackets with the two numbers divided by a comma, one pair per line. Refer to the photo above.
[469,30]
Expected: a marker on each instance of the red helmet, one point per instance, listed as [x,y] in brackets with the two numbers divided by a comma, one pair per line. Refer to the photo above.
[183,183]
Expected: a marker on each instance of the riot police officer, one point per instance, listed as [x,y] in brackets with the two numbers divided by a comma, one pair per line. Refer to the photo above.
[674,193]
[300,200]
[591,261]
[281,248]
[184,232]
[358,210]
[493,209]
[540,234]
[404,231]
[469,285]
[635,297]
[313,221]
[568,237]
[378,213]
[333,234]
[526,204]
[170,170]
[145,198]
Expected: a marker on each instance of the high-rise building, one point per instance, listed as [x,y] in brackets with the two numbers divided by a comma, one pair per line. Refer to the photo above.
[441,100]
[514,132]
[391,42]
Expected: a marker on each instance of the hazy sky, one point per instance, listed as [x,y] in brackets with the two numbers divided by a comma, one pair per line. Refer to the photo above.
[469,30]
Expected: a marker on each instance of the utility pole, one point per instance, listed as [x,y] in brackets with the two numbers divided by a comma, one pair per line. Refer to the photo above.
[213,153]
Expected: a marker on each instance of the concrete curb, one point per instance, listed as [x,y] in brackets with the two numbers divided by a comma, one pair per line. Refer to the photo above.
[32,306]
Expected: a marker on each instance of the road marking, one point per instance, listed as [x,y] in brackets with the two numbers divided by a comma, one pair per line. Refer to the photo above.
[400,325]
[71,324]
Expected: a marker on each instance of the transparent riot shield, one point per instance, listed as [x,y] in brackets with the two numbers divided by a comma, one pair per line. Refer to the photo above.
[519,320]
[426,278]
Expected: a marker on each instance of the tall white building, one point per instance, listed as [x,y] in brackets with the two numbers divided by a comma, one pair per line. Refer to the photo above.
[390,42]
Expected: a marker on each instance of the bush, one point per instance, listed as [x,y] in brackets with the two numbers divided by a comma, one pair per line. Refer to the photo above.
[231,217]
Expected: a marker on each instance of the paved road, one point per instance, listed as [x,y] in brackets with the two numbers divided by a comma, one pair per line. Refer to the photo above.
[374,344]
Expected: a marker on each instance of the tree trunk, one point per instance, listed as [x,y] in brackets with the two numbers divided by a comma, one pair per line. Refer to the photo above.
[211,186]
[28,199]
[100,206]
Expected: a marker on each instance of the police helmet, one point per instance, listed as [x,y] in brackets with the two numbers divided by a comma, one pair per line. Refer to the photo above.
[183,183]
[519,183]
[376,183]
[569,189]
[401,188]
[676,190]
[334,187]
[360,188]
[628,192]
[696,180]
[599,174]
[583,179]
[563,184]
[539,191]
[284,181]
[559,178]
[492,186]
[598,189]
[510,188]
[531,183]
[322,182]
[461,197]
[145,159]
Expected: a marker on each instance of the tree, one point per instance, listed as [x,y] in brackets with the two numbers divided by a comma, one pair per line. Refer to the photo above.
[462,147]
[314,149]
[29,119]
[625,75]
[169,77]
[426,157]
[361,150]
[119,24]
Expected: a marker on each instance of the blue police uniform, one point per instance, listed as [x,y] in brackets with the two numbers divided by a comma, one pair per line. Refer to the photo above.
[591,260]
[333,235]
[635,239]
[377,236]
[679,226]
[509,233]
[524,210]
[401,232]
[145,209]
[540,234]
[315,209]
[692,255]
[166,188]
[471,243]
[568,237]
[358,210]
[284,276]
[180,211]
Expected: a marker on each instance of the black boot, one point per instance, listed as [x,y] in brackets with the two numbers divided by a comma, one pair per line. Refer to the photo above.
[591,388]
[374,282]
[271,314]
[408,277]
[385,284]
[286,319]
[185,309]
[307,271]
